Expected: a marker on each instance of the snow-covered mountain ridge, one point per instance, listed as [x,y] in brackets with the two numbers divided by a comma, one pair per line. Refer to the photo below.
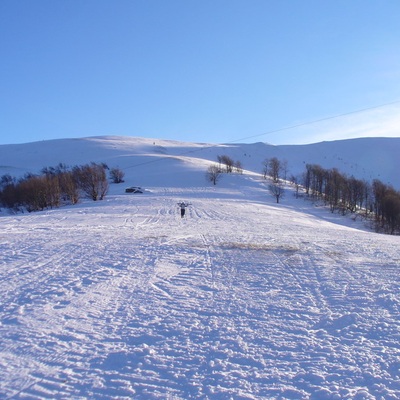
[365,158]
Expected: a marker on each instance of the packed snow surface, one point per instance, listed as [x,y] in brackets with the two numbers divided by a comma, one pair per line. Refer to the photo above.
[242,298]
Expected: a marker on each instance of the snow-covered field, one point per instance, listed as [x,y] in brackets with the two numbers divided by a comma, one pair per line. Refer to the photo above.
[241,299]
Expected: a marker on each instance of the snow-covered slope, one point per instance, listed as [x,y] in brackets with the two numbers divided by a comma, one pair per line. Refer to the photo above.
[241,299]
[367,158]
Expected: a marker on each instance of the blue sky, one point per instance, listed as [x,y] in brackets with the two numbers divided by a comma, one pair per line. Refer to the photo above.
[201,71]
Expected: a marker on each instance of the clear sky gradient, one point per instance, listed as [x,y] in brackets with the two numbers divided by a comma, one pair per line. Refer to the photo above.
[199,70]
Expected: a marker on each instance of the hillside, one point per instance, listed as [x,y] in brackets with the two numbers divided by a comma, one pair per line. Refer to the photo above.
[241,299]
[144,159]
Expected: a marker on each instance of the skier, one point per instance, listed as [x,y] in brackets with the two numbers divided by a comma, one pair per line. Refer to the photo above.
[183,206]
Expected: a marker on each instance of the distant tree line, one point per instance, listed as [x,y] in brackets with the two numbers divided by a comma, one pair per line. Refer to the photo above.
[55,186]
[347,194]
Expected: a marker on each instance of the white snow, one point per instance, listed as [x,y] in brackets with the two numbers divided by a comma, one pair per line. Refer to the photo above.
[241,299]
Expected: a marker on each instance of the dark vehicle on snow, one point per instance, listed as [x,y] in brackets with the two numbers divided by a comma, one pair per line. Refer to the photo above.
[134,189]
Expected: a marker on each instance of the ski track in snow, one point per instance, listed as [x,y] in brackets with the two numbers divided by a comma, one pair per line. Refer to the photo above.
[241,299]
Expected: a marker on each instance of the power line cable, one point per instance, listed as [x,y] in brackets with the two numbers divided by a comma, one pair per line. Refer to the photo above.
[316,121]
[267,133]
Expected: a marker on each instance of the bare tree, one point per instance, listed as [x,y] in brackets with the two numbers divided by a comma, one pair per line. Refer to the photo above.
[5,180]
[273,167]
[276,189]
[391,211]
[9,193]
[92,180]
[53,190]
[117,175]
[213,174]
[238,167]
[69,187]
[386,207]
[265,168]
[296,182]
[284,169]
[33,193]
[227,162]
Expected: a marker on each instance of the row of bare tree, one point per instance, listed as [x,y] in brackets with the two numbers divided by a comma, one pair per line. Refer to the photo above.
[341,192]
[54,187]
[348,194]
[225,165]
